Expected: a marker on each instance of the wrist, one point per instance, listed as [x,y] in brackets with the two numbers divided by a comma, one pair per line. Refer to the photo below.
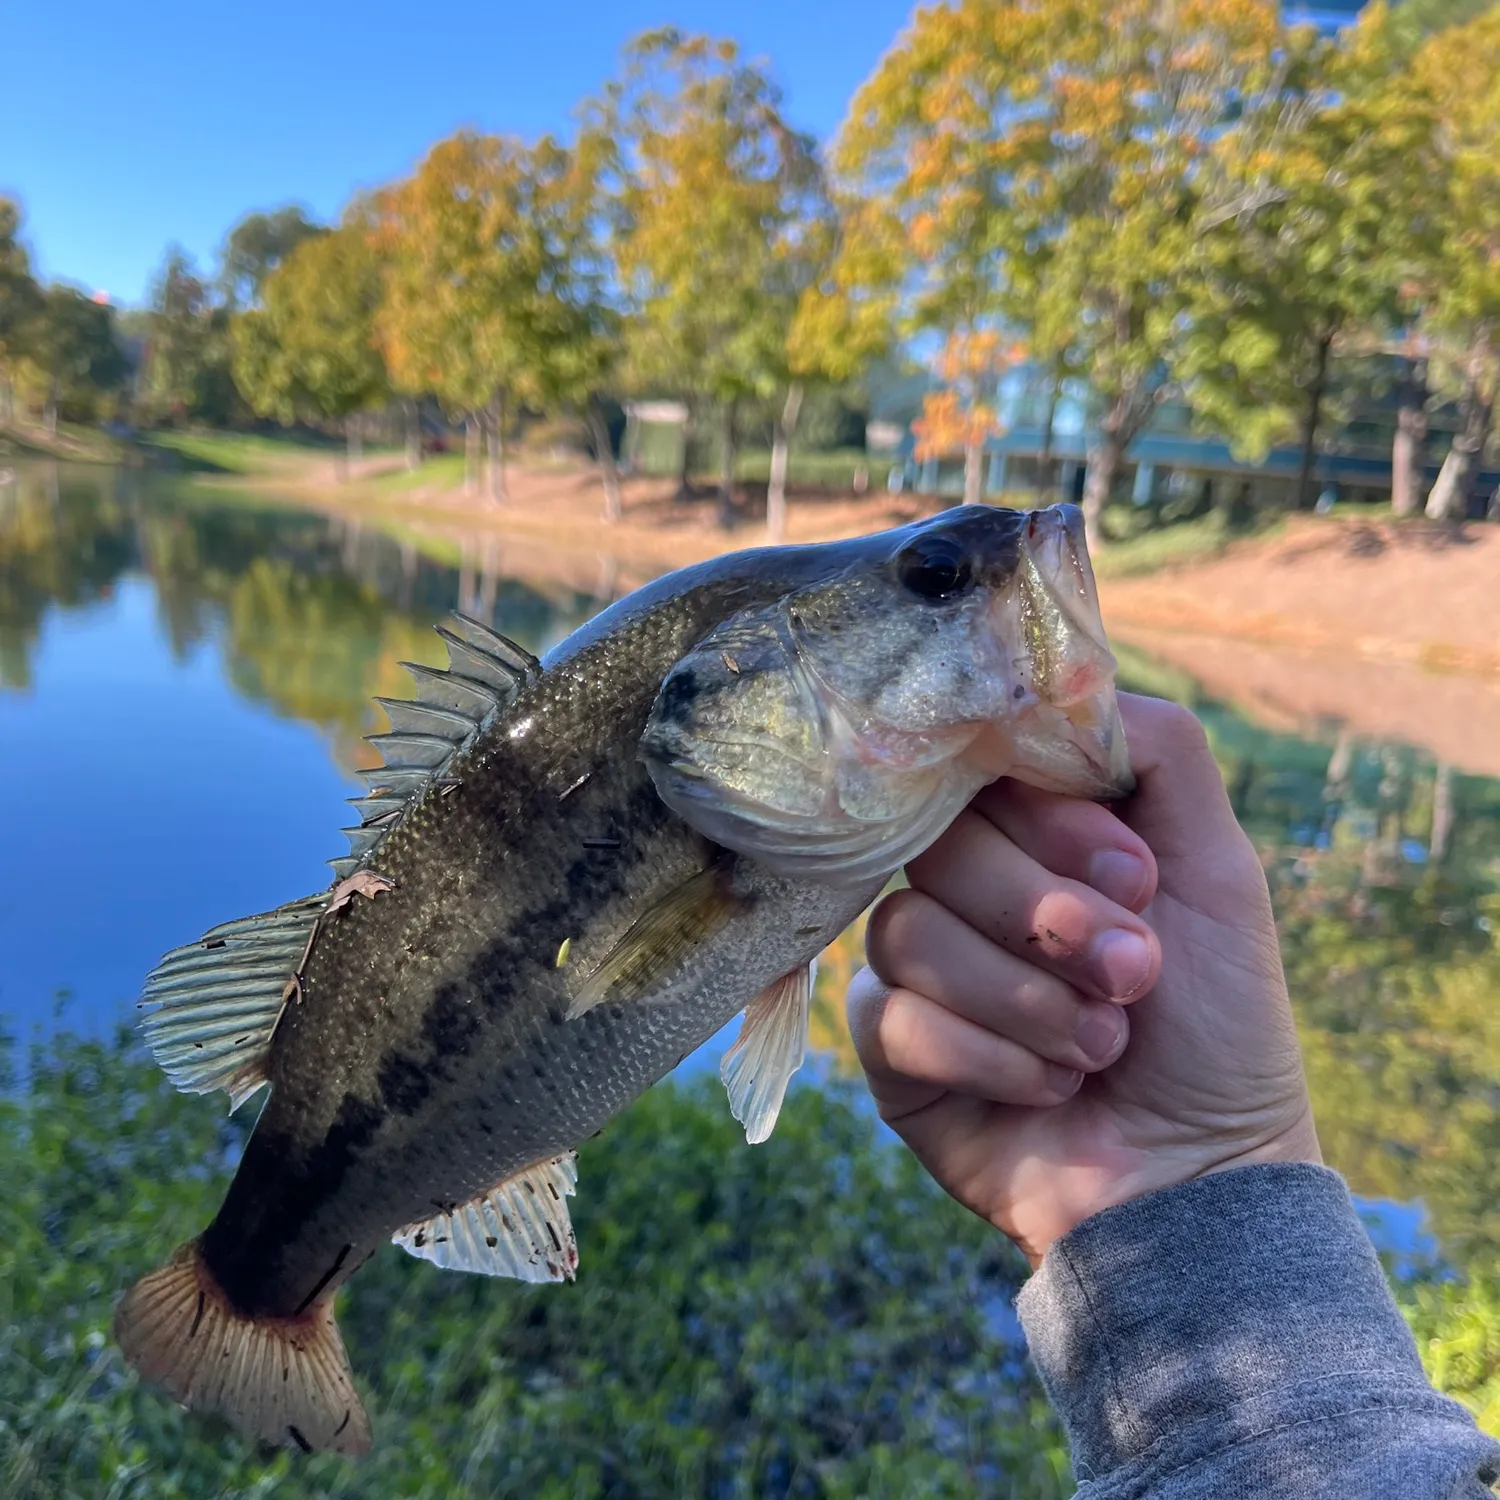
[1062,1201]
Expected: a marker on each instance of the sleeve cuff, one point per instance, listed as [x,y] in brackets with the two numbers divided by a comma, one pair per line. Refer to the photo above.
[1180,1307]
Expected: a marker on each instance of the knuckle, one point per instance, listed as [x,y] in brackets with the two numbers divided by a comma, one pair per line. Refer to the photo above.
[1181,730]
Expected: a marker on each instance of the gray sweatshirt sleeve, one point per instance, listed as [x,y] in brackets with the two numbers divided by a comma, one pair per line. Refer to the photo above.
[1235,1337]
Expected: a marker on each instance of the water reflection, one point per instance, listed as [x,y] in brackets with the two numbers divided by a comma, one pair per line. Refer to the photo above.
[175,670]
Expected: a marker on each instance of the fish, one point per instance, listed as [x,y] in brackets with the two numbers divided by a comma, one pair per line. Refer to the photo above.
[567,875]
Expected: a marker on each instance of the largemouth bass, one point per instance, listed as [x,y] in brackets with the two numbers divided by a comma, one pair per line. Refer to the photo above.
[567,876]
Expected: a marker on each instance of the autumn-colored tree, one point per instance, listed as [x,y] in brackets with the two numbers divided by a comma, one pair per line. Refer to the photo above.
[1045,164]
[470,245]
[963,413]
[309,351]
[714,193]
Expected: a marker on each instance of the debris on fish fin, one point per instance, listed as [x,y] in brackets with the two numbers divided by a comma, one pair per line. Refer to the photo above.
[768,1050]
[660,940]
[427,733]
[283,1380]
[362,883]
[214,1004]
[520,1228]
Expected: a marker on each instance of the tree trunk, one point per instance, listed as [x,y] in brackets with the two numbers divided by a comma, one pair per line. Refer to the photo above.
[49,411]
[413,433]
[604,452]
[1046,464]
[1104,463]
[726,469]
[781,442]
[353,438]
[1442,814]
[471,452]
[1409,449]
[974,473]
[1449,500]
[1311,422]
[684,471]
[495,436]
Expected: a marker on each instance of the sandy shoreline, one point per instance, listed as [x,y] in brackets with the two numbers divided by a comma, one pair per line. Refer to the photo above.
[1382,628]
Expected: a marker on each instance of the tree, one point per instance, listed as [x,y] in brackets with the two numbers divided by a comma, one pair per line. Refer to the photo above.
[574,326]
[1044,165]
[963,414]
[1312,263]
[1456,77]
[20,300]
[183,342]
[309,352]
[255,247]
[72,357]
[466,257]
[713,191]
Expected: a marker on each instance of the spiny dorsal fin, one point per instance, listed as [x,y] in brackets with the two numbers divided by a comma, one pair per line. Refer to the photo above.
[214,1004]
[452,707]
[520,1228]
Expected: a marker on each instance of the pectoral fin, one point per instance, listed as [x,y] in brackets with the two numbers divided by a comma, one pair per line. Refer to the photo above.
[768,1050]
[520,1228]
[659,941]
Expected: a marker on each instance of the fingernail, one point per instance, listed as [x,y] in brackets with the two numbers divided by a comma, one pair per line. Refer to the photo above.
[1122,960]
[1064,1081]
[1099,1031]
[1118,875]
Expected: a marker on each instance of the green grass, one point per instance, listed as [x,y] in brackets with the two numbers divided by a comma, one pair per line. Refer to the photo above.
[237,452]
[444,469]
[1170,546]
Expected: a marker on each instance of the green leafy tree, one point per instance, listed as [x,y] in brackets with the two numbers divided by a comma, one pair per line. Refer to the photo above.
[72,357]
[255,247]
[1455,76]
[1312,266]
[715,194]
[20,300]
[310,351]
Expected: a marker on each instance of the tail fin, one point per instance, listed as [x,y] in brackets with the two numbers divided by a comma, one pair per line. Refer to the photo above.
[284,1380]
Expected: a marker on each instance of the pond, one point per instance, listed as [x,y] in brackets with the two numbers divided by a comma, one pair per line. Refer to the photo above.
[185,681]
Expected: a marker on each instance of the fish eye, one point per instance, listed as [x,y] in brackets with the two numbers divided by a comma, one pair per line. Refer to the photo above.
[934,567]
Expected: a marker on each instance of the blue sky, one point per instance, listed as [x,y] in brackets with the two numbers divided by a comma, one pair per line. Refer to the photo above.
[125,127]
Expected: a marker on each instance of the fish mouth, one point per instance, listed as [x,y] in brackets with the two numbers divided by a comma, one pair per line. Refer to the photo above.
[1062,729]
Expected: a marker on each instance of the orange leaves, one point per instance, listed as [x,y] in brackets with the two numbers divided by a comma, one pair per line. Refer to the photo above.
[963,414]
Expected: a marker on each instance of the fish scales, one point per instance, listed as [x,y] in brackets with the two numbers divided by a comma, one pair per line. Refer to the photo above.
[652,833]
[429,1057]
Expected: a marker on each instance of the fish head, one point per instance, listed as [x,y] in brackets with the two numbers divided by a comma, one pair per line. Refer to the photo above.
[836,732]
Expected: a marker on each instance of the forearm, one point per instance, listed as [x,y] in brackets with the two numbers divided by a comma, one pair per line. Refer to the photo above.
[1235,1336]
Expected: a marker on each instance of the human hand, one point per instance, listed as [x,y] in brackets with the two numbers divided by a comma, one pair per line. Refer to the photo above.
[1070,1008]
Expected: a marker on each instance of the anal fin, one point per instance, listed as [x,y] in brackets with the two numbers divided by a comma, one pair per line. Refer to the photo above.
[768,1050]
[520,1228]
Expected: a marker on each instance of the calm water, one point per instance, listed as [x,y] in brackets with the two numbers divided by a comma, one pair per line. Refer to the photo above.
[185,681]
